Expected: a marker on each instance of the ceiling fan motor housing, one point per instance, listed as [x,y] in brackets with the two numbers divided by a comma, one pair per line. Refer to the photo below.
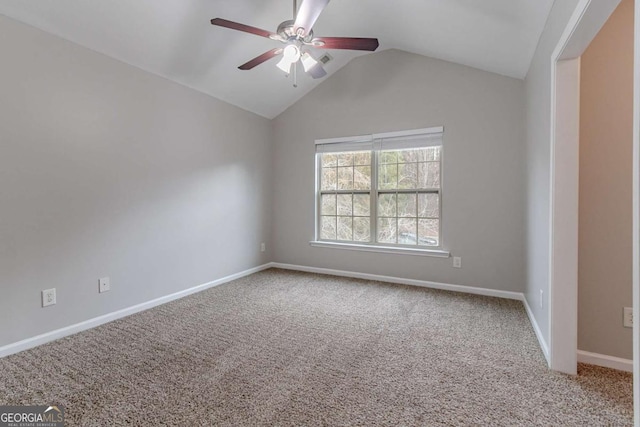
[288,34]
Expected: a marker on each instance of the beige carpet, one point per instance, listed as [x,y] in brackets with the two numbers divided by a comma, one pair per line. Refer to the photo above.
[290,349]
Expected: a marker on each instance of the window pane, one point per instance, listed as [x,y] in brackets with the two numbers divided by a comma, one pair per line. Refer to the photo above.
[345,178]
[329,160]
[329,178]
[410,156]
[361,230]
[388,157]
[428,232]
[386,230]
[328,204]
[328,227]
[433,169]
[407,231]
[429,154]
[388,177]
[429,175]
[345,159]
[361,205]
[387,205]
[429,205]
[362,178]
[362,158]
[407,175]
[407,205]
[434,153]
[345,204]
[345,231]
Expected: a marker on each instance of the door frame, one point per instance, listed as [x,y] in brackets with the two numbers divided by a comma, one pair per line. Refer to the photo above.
[588,18]
[636,216]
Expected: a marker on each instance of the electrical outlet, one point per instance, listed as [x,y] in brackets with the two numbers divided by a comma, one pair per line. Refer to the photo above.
[541,298]
[104,285]
[48,297]
[263,247]
[457,262]
[627,317]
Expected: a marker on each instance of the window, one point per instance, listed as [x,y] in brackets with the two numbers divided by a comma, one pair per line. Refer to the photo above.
[381,190]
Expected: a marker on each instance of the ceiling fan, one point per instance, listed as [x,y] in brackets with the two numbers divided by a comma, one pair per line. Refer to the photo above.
[297,35]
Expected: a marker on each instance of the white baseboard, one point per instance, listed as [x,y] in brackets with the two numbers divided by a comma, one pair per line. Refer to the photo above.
[605,361]
[97,321]
[389,279]
[536,329]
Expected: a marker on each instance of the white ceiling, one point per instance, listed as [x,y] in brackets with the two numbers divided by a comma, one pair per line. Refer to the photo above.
[174,38]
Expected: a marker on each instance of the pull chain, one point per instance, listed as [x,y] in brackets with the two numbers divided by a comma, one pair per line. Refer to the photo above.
[295,74]
[295,65]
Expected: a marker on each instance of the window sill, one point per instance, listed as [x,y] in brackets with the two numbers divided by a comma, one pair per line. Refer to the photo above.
[382,249]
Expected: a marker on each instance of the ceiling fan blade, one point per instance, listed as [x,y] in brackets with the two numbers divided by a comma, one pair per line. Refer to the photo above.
[317,71]
[308,14]
[349,43]
[260,59]
[241,27]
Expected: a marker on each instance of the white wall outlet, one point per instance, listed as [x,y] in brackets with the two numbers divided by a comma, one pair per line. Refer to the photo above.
[263,247]
[104,285]
[627,317]
[541,298]
[457,262]
[48,297]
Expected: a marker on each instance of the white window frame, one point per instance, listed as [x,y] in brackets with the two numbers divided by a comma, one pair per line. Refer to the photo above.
[364,143]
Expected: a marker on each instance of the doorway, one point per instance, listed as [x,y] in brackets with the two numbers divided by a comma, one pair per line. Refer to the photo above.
[586,21]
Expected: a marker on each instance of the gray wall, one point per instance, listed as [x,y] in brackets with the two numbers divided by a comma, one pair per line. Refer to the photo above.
[537,122]
[483,179]
[605,217]
[106,170]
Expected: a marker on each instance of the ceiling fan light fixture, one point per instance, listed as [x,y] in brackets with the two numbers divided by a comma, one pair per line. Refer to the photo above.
[291,53]
[290,56]
[284,65]
[308,61]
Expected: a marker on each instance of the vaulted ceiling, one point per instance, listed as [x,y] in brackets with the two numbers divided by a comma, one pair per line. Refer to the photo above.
[174,38]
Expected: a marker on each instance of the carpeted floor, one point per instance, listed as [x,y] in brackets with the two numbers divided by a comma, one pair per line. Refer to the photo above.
[291,349]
